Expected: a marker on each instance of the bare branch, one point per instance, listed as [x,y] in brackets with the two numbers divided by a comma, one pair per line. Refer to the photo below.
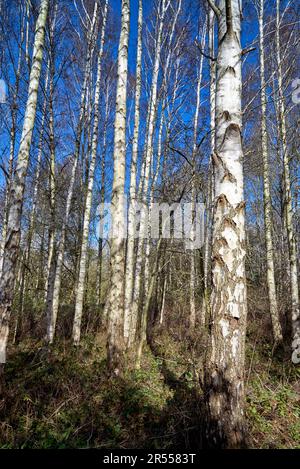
[214,7]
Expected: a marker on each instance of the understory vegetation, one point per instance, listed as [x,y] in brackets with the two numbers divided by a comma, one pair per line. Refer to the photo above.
[65,398]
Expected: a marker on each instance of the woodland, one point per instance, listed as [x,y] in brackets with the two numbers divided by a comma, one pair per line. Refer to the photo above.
[149,224]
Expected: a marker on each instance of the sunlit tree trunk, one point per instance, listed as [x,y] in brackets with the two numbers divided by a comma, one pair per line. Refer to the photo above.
[38,169]
[277,334]
[12,143]
[27,56]
[193,192]
[288,195]
[50,270]
[54,284]
[115,341]
[145,178]
[129,319]
[89,195]
[224,373]
[163,302]
[210,193]
[102,199]
[24,276]
[12,243]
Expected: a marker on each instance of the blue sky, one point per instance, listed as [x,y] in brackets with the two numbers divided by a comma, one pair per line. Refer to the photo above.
[249,33]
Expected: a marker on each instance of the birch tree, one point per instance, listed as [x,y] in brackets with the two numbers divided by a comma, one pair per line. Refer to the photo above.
[13,130]
[12,243]
[115,302]
[52,183]
[148,153]
[210,194]
[288,194]
[129,319]
[277,334]
[88,200]
[193,191]
[224,374]
[54,281]
[102,195]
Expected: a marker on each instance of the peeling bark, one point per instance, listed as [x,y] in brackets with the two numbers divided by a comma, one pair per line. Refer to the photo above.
[224,374]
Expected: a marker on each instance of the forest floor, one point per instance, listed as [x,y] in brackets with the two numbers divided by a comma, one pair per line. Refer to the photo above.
[64,398]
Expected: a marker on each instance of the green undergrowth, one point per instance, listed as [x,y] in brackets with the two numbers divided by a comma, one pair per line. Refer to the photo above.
[273,400]
[64,398]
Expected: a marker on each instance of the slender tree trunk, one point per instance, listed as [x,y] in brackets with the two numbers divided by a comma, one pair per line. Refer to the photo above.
[288,196]
[12,145]
[52,185]
[89,195]
[129,319]
[210,195]
[115,342]
[27,56]
[145,181]
[193,192]
[38,171]
[162,308]
[12,243]
[277,334]
[224,373]
[102,199]
[53,290]
[30,232]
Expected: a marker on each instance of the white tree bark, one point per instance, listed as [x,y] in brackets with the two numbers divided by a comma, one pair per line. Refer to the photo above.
[288,195]
[129,319]
[102,199]
[210,195]
[89,195]
[115,303]
[156,171]
[193,192]
[54,284]
[38,169]
[224,374]
[52,184]
[12,144]
[12,242]
[145,178]
[277,334]
[27,56]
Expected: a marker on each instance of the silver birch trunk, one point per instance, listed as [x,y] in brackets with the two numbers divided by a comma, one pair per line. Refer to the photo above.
[89,195]
[224,374]
[288,197]
[159,158]
[192,317]
[129,319]
[115,303]
[145,179]
[52,185]
[210,196]
[12,243]
[54,284]
[162,308]
[12,146]
[102,199]
[277,333]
